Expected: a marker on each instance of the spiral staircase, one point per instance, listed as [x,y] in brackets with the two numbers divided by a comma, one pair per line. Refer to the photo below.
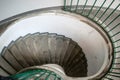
[79,40]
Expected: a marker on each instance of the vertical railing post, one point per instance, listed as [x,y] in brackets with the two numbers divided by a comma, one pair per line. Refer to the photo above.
[71,2]
[77,5]
[105,10]
[110,14]
[113,27]
[92,8]
[64,4]
[84,6]
[112,21]
[99,9]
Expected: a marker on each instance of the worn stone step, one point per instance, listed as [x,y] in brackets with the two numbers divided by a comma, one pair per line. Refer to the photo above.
[59,48]
[27,49]
[17,53]
[46,48]
[20,46]
[3,73]
[6,66]
[65,47]
[52,46]
[11,59]
[70,48]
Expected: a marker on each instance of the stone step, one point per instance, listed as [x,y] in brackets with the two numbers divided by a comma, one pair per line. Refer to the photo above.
[46,48]
[52,46]
[3,73]
[6,66]
[11,59]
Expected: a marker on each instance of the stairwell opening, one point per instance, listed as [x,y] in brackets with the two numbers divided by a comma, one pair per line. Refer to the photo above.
[88,35]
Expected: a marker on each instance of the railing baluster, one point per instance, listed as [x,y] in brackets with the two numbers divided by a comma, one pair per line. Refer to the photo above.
[77,5]
[92,7]
[115,68]
[38,78]
[117,51]
[55,77]
[105,10]
[64,4]
[47,78]
[117,47]
[110,14]
[107,78]
[112,21]
[116,41]
[84,6]
[99,9]
[113,27]
[114,72]
[71,5]
[115,34]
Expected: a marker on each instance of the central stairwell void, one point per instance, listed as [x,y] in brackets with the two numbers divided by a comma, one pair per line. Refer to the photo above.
[75,41]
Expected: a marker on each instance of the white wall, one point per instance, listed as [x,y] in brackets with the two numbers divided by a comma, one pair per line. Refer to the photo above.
[10,8]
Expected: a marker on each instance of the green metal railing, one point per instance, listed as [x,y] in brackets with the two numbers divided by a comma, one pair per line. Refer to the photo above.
[108,19]
[36,74]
